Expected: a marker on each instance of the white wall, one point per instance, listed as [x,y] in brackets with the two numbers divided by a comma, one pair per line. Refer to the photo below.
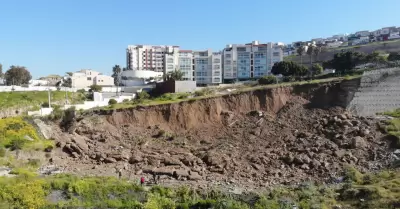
[52,88]
[101,102]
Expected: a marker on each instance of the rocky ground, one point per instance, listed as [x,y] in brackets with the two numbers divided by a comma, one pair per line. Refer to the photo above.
[249,150]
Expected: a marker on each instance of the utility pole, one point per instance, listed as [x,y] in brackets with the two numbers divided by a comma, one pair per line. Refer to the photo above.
[66,95]
[49,99]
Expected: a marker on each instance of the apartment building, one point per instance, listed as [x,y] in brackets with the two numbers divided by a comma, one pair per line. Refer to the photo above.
[185,64]
[254,60]
[207,67]
[153,58]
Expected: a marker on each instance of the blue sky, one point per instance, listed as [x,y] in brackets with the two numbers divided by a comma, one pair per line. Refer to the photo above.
[54,37]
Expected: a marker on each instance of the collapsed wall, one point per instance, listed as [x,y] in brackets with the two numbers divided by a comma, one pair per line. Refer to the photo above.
[379,91]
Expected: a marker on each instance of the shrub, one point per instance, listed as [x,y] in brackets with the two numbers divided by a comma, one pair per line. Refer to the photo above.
[316,69]
[17,144]
[289,79]
[204,92]
[82,91]
[2,152]
[95,88]
[183,96]
[112,102]
[267,80]
[125,100]
[143,95]
[45,105]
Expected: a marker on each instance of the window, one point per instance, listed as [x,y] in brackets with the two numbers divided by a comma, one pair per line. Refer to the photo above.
[217,67]
[241,49]
[276,54]
[259,55]
[170,60]
[228,55]
[89,78]
[170,67]
[217,60]
[228,62]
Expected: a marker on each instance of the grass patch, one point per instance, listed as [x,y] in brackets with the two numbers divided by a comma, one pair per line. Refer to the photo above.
[393,126]
[35,99]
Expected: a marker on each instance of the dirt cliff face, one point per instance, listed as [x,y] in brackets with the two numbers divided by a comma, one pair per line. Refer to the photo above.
[195,114]
[269,136]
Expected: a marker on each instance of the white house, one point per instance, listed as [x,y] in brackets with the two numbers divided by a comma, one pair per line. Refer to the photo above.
[394,35]
[35,82]
[334,44]
[86,78]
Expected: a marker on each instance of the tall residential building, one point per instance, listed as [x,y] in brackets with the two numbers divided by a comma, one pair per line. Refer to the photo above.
[207,67]
[153,58]
[254,60]
[185,64]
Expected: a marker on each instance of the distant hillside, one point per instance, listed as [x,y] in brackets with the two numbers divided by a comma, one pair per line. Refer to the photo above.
[387,46]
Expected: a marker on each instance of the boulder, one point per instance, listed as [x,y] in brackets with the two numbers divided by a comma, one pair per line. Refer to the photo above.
[358,142]
[180,173]
[135,159]
[171,161]
[110,160]
[81,143]
[194,176]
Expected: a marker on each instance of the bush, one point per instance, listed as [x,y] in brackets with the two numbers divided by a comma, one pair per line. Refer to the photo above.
[112,102]
[95,88]
[204,92]
[57,113]
[82,91]
[125,100]
[2,152]
[289,79]
[267,80]
[17,144]
[143,95]
[316,69]
[45,105]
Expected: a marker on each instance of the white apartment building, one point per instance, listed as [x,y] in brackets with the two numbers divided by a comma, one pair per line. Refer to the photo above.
[185,64]
[86,78]
[208,67]
[245,61]
[153,58]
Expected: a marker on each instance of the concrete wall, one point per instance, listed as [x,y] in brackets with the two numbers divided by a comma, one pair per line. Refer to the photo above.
[176,87]
[379,91]
[52,88]
[100,101]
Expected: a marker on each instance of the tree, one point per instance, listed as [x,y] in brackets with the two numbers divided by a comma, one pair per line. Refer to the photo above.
[300,52]
[1,71]
[175,75]
[288,68]
[67,82]
[310,51]
[116,72]
[95,88]
[375,58]
[17,75]
[316,69]
[345,61]
[318,50]
[394,56]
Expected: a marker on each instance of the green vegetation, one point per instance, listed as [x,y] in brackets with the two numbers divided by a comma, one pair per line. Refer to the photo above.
[36,98]
[289,68]
[267,80]
[17,134]
[393,126]
[379,190]
[112,102]
[95,88]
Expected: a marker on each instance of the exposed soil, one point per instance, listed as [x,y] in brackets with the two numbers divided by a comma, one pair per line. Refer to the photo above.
[251,140]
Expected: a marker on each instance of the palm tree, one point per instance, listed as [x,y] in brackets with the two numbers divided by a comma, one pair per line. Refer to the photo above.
[175,75]
[310,52]
[300,52]
[318,51]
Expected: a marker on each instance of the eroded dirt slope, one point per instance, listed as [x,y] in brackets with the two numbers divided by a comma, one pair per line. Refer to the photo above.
[253,139]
